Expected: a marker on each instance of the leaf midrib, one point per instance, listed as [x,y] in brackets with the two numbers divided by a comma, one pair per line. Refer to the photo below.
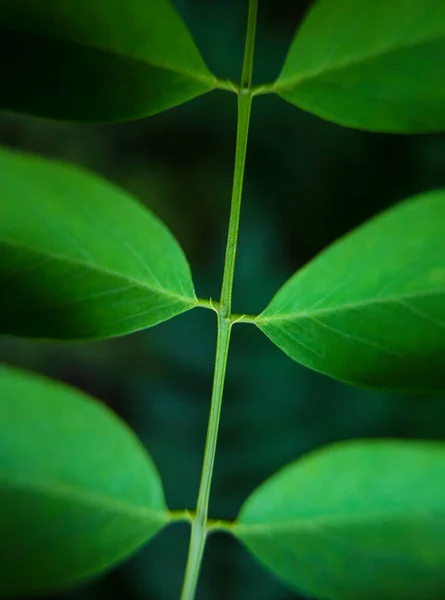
[353,62]
[340,520]
[346,307]
[138,284]
[212,81]
[60,491]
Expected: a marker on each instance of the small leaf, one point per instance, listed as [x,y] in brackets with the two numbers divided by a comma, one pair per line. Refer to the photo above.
[370,310]
[112,60]
[373,65]
[79,258]
[354,521]
[78,492]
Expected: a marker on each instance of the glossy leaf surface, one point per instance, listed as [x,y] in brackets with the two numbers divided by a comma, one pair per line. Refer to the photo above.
[355,521]
[79,258]
[113,60]
[370,309]
[370,65]
[78,492]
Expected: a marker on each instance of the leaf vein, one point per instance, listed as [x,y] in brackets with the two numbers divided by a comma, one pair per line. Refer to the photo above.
[353,62]
[351,306]
[104,271]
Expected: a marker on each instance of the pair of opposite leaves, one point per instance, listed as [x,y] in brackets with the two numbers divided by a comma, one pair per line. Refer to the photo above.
[80,259]
[374,65]
[354,521]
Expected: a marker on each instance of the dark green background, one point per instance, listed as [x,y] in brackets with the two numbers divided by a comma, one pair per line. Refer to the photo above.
[307,182]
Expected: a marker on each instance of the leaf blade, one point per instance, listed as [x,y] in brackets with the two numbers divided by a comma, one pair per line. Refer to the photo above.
[376,505]
[79,258]
[370,310]
[373,66]
[98,62]
[68,510]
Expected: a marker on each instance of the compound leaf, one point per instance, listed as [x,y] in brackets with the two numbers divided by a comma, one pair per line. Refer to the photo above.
[112,60]
[79,258]
[370,65]
[354,521]
[78,492]
[370,309]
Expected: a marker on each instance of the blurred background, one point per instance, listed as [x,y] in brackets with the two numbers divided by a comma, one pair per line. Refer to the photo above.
[307,183]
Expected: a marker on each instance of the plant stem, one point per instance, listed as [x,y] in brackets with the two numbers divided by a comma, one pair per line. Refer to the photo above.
[249,50]
[244,108]
[200,525]
[200,522]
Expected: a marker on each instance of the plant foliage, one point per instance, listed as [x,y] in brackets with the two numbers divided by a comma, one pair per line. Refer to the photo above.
[81,259]
[77,490]
[113,60]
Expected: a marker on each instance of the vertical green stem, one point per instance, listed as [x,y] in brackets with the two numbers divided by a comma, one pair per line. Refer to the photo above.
[249,50]
[244,107]
[200,523]
[199,526]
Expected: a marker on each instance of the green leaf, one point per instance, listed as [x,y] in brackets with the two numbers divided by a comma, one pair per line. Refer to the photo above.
[78,492]
[354,521]
[375,65]
[79,258]
[112,60]
[370,310]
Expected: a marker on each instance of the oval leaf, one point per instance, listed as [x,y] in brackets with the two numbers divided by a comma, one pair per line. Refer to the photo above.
[355,521]
[113,60]
[370,310]
[78,492]
[79,258]
[370,65]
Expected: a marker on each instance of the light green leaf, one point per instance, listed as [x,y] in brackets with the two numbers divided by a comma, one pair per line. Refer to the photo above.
[111,60]
[355,521]
[79,258]
[78,492]
[375,65]
[370,310]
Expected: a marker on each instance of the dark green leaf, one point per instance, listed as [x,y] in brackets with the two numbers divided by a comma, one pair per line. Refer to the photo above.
[79,258]
[370,310]
[355,521]
[107,60]
[374,65]
[78,492]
